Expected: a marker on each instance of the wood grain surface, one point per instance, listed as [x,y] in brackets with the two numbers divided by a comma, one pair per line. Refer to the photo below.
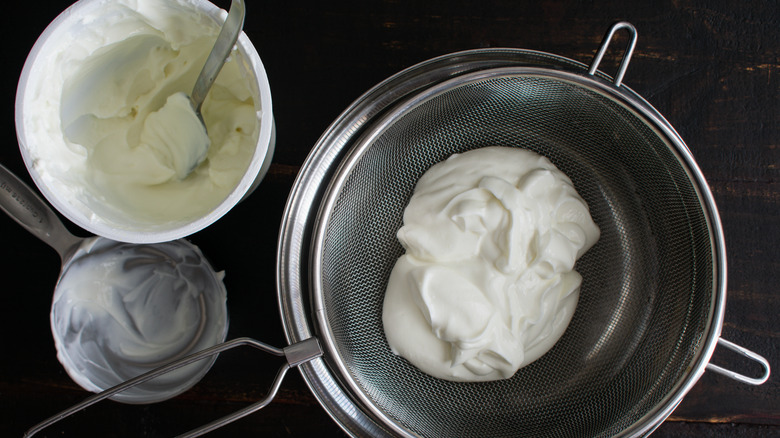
[712,68]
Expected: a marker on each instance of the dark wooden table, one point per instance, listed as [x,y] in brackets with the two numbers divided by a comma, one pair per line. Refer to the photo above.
[711,67]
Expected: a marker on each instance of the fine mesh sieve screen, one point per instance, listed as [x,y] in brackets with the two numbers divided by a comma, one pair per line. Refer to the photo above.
[647,284]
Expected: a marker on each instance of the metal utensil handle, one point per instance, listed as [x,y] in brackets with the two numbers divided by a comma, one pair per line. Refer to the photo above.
[744,352]
[222,46]
[626,56]
[296,354]
[21,203]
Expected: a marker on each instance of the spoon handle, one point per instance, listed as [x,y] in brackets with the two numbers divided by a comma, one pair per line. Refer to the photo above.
[25,207]
[226,39]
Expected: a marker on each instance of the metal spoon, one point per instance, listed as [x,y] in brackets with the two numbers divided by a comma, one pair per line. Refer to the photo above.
[226,39]
[196,148]
[105,369]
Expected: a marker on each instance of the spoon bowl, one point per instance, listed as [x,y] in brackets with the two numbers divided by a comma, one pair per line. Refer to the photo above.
[120,309]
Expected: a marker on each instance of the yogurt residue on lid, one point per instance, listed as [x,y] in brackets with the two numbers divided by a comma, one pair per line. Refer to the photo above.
[487,284]
[110,128]
[120,310]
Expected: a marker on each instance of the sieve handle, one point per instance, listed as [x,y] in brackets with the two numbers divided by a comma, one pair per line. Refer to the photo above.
[626,56]
[295,354]
[744,352]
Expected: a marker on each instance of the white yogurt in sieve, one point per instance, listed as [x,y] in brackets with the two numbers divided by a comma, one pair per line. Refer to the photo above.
[120,310]
[487,284]
[110,130]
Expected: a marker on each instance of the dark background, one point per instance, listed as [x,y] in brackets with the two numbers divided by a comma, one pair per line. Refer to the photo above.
[710,67]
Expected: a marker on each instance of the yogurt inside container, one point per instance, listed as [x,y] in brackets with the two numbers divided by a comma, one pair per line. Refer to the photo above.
[101,131]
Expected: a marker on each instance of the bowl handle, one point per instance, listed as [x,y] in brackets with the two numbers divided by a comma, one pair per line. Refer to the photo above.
[626,56]
[744,352]
[295,354]
[21,203]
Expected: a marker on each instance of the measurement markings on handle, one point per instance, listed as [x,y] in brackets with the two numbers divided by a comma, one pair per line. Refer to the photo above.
[22,201]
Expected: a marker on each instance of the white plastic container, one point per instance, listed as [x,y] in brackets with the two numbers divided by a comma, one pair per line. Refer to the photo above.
[54,162]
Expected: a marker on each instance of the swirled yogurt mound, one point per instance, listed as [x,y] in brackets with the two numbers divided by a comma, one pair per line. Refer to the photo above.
[120,310]
[487,284]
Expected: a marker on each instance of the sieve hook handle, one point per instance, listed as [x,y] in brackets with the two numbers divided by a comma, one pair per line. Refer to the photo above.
[626,56]
[295,354]
[744,352]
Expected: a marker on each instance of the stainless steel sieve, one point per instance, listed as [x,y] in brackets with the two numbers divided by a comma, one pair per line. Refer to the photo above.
[653,292]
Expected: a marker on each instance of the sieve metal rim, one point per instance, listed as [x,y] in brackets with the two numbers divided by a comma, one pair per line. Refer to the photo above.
[657,123]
